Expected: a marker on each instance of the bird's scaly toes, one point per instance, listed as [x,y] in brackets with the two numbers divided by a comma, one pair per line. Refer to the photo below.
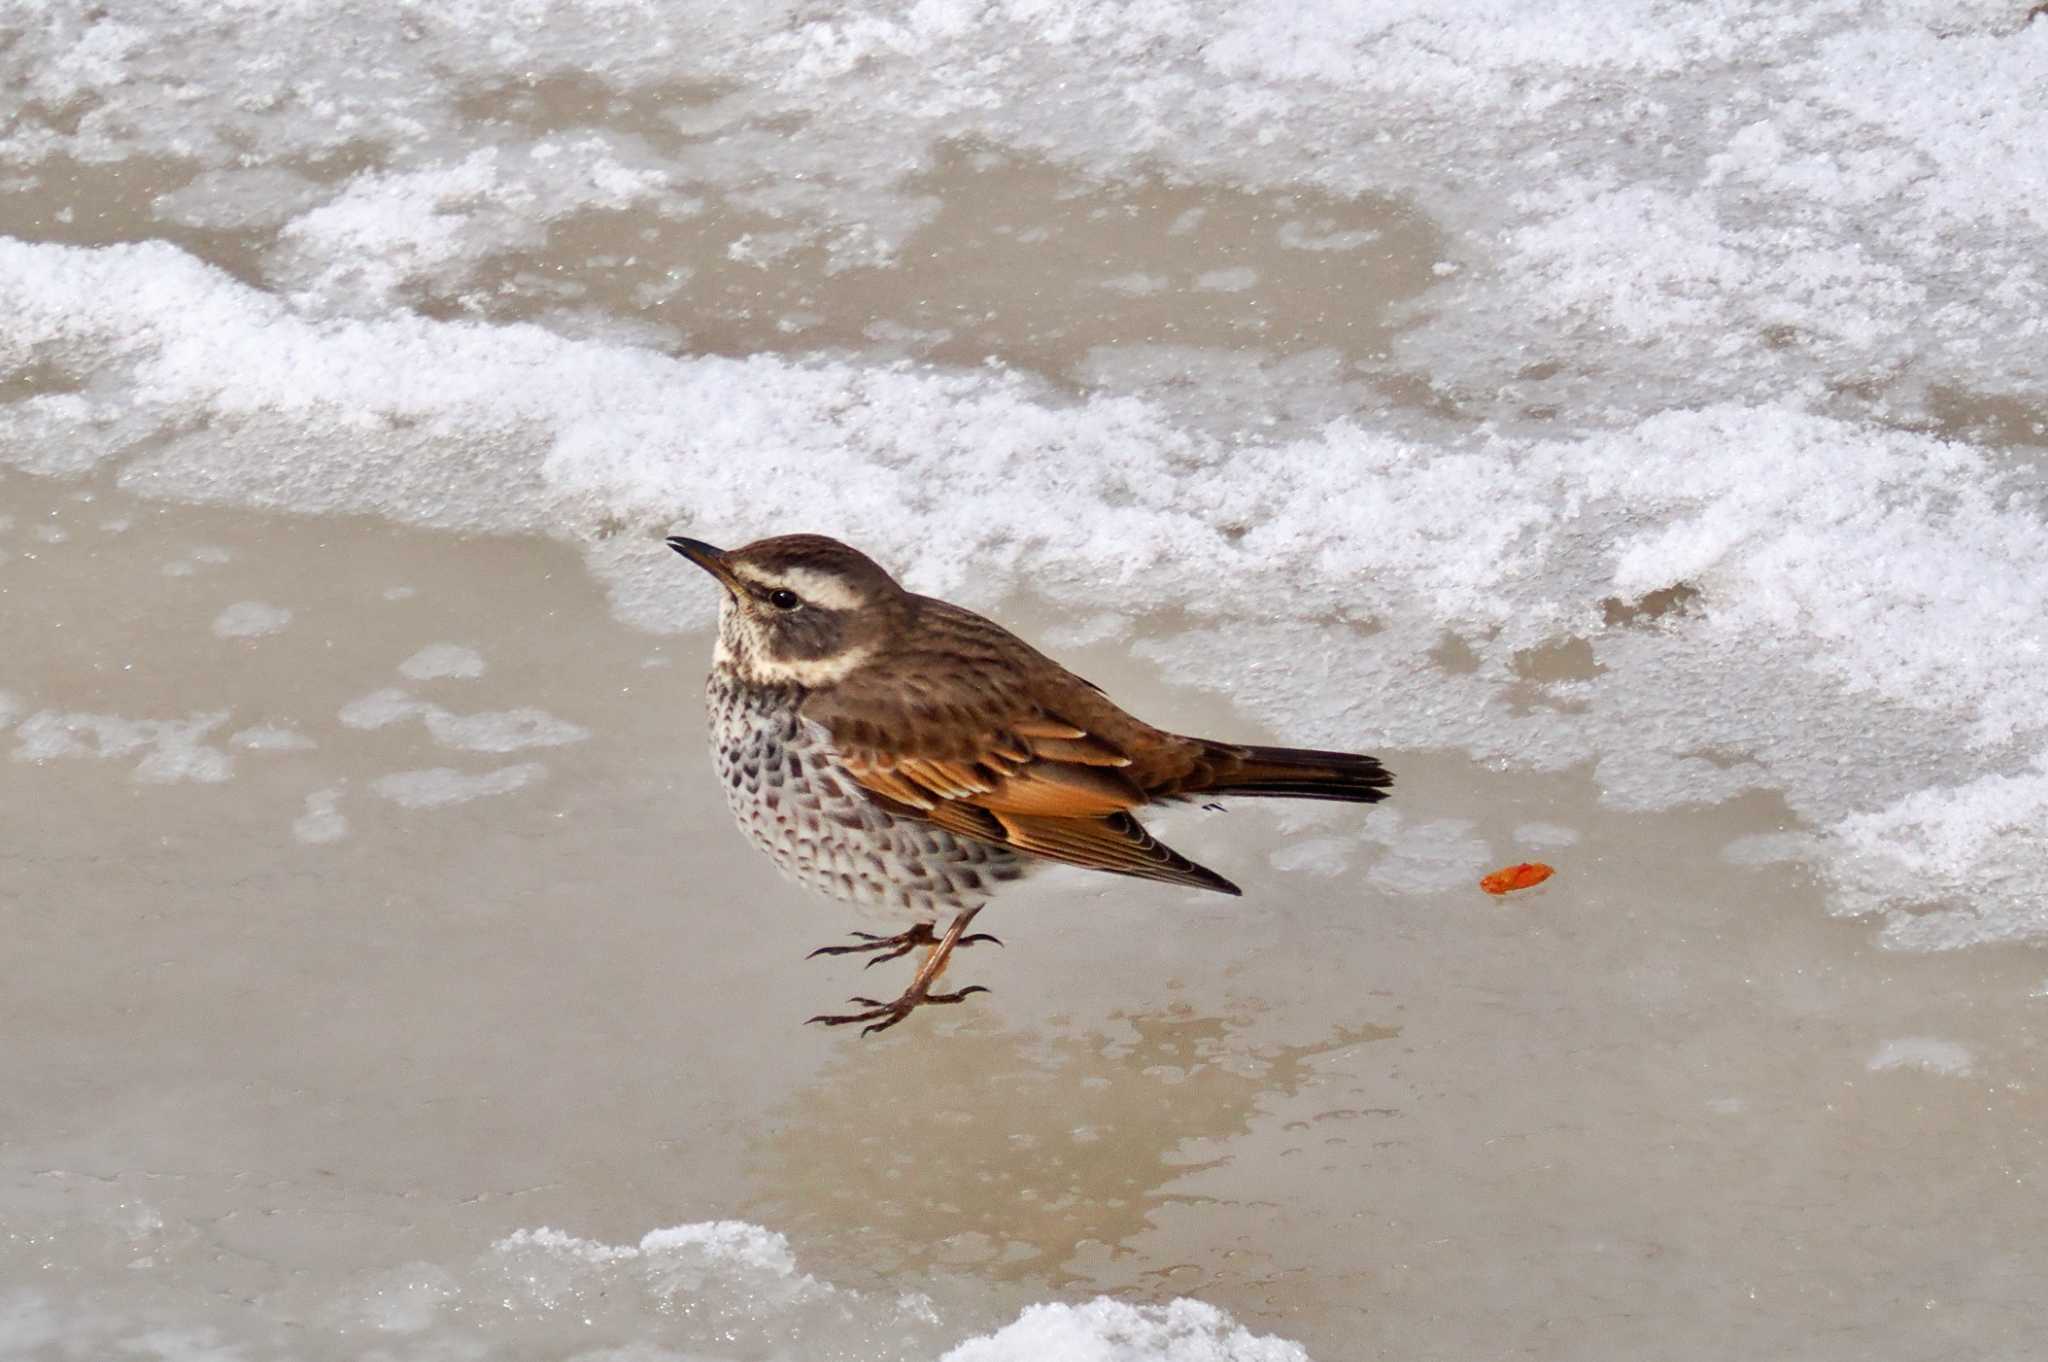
[880,1016]
[897,946]
[891,946]
[963,941]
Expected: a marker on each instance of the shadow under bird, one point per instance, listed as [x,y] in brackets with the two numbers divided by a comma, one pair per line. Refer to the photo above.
[895,751]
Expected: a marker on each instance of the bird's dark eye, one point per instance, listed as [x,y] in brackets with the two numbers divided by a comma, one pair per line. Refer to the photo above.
[782,598]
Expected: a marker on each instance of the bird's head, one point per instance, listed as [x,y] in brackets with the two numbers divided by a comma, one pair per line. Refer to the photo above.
[799,609]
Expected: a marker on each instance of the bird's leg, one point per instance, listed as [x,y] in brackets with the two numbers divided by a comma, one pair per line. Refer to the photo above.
[880,1016]
[897,946]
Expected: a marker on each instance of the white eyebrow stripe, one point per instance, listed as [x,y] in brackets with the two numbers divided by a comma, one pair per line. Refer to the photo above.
[818,588]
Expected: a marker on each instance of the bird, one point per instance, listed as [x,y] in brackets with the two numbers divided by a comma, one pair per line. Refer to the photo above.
[908,755]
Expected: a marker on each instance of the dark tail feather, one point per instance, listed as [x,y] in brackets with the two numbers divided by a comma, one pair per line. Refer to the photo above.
[1293,773]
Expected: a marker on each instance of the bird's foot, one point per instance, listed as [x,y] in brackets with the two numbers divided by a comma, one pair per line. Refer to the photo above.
[880,1016]
[897,946]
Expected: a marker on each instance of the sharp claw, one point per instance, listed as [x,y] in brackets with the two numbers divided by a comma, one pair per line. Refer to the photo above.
[832,1019]
[887,1015]
[837,950]
[903,942]
[978,936]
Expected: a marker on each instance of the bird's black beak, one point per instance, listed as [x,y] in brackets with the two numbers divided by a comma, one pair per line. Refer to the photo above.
[704,556]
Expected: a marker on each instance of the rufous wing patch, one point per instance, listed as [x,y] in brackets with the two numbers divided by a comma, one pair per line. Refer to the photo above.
[1085,750]
[1062,792]
[1044,726]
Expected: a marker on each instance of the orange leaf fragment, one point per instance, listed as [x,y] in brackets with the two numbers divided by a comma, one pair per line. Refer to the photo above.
[1516,877]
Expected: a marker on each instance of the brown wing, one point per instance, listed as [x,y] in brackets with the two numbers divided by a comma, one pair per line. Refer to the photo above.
[974,731]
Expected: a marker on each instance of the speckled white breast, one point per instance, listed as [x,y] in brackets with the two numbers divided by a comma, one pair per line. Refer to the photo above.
[789,796]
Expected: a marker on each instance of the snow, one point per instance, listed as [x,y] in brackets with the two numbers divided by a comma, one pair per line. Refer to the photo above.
[1709,307]
[1924,1053]
[1105,1330]
[1546,835]
[250,619]
[741,1284]
[438,660]
[1745,247]
[506,730]
[167,750]
[441,785]
[270,738]
[322,821]
[1855,568]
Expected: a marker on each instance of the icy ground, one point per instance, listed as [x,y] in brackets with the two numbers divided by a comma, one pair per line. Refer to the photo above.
[1651,397]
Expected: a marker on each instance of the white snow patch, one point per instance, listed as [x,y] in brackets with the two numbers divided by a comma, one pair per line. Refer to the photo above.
[322,821]
[1105,1330]
[441,785]
[203,555]
[250,619]
[1291,816]
[1137,285]
[270,738]
[1546,835]
[1235,279]
[1955,865]
[391,231]
[169,750]
[500,730]
[1923,1053]
[443,660]
[382,708]
[740,1284]
[410,1299]
[715,1268]
[1324,857]
[1426,857]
